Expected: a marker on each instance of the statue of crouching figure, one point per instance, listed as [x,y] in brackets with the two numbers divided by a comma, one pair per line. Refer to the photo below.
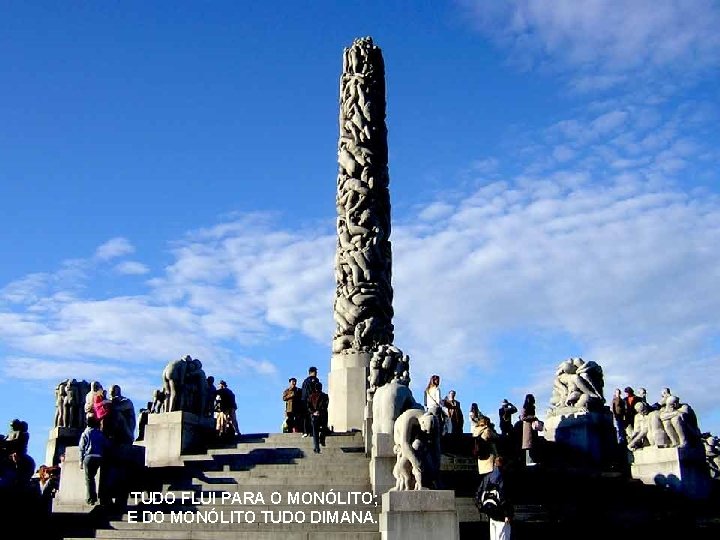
[417,446]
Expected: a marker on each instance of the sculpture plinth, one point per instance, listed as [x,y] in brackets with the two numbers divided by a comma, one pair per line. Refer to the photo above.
[588,435]
[59,439]
[681,469]
[420,515]
[348,382]
[122,468]
[170,435]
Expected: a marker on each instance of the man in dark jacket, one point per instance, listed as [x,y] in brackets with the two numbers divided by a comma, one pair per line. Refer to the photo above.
[293,406]
[307,387]
[492,498]
[226,404]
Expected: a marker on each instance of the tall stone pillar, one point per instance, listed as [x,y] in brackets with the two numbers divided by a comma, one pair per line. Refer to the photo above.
[363,261]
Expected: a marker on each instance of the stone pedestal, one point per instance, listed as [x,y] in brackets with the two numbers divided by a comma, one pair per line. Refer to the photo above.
[589,436]
[59,439]
[681,469]
[368,428]
[348,383]
[420,515]
[122,467]
[382,461]
[169,435]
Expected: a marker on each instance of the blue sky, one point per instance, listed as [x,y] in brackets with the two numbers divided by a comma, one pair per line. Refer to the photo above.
[167,178]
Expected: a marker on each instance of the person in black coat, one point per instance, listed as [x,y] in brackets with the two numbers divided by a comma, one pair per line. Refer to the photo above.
[306,389]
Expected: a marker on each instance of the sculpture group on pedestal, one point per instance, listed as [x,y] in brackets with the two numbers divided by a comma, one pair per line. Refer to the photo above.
[185,388]
[578,385]
[671,424]
[417,445]
[70,396]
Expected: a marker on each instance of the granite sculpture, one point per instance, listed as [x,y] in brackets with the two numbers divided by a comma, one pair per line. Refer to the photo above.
[389,394]
[578,385]
[363,295]
[417,447]
[667,424]
[712,455]
[123,416]
[184,387]
[70,396]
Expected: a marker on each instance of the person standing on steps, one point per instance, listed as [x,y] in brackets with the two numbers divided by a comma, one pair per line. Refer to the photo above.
[307,388]
[293,406]
[505,413]
[492,499]
[93,445]
[227,406]
[318,410]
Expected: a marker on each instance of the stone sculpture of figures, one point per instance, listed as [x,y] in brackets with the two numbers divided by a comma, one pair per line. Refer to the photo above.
[712,455]
[417,447]
[123,415]
[578,384]
[70,403]
[679,422]
[196,387]
[173,379]
[60,393]
[647,429]
[389,392]
[158,402]
[672,424]
[185,387]
[363,299]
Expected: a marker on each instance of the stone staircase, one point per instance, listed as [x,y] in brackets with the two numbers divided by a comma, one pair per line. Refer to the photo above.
[265,486]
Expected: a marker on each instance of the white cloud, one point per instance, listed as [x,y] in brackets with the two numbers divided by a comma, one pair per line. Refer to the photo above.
[43,370]
[131,268]
[113,248]
[604,40]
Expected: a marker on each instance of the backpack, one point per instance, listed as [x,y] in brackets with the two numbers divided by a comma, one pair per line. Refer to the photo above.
[490,502]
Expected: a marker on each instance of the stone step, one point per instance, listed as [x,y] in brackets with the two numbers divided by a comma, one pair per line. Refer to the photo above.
[307,472]
[262,535]
[268,531]
[306,484]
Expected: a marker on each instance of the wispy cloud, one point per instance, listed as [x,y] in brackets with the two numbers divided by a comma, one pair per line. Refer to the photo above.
[602,41]
[131,268]
[113,248]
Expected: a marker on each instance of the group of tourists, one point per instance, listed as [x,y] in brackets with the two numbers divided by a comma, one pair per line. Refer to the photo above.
[516,441]
[25,491]
[306,409]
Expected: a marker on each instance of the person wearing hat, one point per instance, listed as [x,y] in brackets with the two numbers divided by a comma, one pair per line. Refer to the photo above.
[227,407]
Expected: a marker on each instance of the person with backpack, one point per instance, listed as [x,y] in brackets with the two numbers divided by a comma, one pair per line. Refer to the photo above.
[492,500]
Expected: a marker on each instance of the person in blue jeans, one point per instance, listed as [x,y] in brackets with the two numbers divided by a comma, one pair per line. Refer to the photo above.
[93,446]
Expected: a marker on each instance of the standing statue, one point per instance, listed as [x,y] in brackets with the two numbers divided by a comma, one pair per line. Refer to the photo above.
[123,416]
[417,446]
[389,392]
[363,294]
[60,393]
[185,387]
[173,377]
